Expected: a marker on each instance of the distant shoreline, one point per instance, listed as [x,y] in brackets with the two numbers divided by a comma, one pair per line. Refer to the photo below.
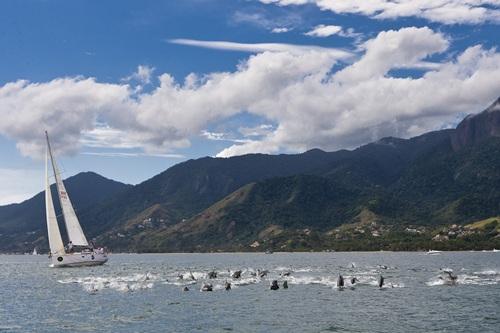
[277,252]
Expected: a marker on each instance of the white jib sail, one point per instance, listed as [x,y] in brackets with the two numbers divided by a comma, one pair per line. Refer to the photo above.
[55,241]
[75,232]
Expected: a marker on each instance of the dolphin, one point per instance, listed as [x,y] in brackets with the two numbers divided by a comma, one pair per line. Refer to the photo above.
[340,282]
[274,285]
[450,279]
[262,273]
[381,281]
[207,287]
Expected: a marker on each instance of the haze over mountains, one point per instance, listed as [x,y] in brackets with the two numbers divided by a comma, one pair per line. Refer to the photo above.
[367,198]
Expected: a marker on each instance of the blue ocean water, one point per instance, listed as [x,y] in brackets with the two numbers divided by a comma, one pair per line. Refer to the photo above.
[143,293]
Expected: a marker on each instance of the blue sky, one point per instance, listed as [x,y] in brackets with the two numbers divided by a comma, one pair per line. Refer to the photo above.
[129,88]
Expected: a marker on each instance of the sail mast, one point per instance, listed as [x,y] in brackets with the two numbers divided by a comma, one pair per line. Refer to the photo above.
[55,241]
[75,232]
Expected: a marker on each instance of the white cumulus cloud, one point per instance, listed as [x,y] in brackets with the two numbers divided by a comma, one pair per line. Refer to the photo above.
[309,104]
[442,11]
[324,30]
[142,75]
[65,107]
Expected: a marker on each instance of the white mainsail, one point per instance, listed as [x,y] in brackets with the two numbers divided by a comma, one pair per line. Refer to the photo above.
[55,241]
[75,232]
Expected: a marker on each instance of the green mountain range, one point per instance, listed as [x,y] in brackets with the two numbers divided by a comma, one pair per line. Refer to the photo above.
[394,194]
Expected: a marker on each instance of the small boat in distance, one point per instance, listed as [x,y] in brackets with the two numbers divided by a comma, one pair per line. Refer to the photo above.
[35,252]
[433,252]
[78,252]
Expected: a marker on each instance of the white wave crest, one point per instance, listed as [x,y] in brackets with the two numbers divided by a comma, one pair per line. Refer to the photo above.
[125,283]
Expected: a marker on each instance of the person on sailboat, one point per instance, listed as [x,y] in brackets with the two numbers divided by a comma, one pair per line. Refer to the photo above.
[70,246]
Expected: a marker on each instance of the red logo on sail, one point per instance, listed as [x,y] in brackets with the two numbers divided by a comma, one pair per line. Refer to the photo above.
[63,195]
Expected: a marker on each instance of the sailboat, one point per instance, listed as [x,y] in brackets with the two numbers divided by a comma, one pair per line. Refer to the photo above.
[35,252]
[78,252]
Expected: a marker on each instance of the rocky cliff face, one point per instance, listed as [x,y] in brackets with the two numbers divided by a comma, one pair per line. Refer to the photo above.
[476,128]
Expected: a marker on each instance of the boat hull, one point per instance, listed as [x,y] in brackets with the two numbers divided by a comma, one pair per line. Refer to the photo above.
[79,259]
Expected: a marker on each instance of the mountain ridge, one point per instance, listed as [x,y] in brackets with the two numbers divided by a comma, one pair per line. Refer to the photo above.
[25,221]
[382,178]
[381,190]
